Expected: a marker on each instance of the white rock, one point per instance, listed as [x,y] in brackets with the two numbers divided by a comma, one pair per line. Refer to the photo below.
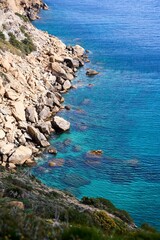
[2,134]
[60,124]
[21,154]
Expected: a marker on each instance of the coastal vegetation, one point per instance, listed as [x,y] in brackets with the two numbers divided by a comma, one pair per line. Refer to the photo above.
[30,210]
[26,45]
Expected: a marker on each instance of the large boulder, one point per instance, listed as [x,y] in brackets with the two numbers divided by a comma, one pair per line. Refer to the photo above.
[60,124]
[11,94]
[31,114]
[71,63]
[45,113]
[78,50]
[20,155]
[91,72]
[57,69]
[18,111]
[37,136]
[6,148]
[2,134]
[67,85]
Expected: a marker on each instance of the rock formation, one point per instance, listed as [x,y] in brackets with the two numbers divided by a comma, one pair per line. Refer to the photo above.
[35,69]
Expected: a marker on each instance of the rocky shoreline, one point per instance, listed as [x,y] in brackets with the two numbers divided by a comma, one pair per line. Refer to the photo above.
[36,69]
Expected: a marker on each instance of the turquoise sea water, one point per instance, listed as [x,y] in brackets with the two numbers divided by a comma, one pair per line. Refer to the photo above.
[120,113]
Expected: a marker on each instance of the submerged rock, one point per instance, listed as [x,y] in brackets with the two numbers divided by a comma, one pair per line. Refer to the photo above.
[75,180]
[58,162]
[96,152]
[52,150]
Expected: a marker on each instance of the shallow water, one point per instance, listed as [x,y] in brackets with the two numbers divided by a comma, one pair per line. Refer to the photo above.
[119,113]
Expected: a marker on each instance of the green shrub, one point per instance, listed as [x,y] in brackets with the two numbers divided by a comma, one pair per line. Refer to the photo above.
[26,46]
[23,17]
[102,219]
[82,233]
[107,205]
[2,36]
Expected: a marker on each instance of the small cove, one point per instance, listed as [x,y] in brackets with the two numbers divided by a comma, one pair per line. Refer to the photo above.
[119,113]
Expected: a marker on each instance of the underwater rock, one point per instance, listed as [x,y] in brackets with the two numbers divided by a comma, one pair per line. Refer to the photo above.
[76,148]
[52,150]
[75,180]
[96,152]
[58,162]
[67,142]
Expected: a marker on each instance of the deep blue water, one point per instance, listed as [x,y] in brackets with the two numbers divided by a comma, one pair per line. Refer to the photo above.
[120,113]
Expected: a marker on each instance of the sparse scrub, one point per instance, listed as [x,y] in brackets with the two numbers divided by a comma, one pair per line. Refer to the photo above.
[26,46]
[2,36]
[23,17]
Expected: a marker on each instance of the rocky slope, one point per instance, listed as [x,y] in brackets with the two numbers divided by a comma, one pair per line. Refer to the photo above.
[35,70]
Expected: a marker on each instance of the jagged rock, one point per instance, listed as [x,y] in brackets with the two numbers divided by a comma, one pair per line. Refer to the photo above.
[31,114]
[57,69]
[22,125]
[11,94]
[79,50]
[18,111]
[91,72]
[71,63]
[67,85]
[2,134]
[5,64]
[20,155]
[37,136]
[2,89]
[6,148]
[45,127]
[45,7]
[60,124]
[45,113]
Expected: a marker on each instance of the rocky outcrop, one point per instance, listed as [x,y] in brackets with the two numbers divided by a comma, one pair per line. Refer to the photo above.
[31,83]
[91,72]
[60,124]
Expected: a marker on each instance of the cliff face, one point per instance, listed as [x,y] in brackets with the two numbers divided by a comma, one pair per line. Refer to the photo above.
[35,69]
[26,7]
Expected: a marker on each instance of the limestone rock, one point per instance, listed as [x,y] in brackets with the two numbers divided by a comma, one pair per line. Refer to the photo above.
[91,72]
[31,114]
[67,85]
[6,148]
[11,94]
[57,69]
[45,127]
[2,90]
[79,50]
[37,136]
[20,155]
[45,113]
[18,111]
[60,124]
[2,134]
